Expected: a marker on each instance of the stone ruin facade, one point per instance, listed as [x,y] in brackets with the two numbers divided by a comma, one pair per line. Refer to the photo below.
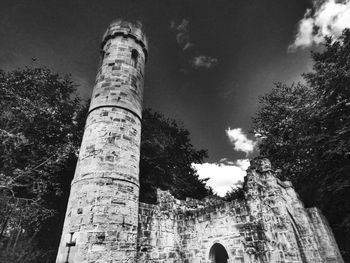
[106,223]
[270,224]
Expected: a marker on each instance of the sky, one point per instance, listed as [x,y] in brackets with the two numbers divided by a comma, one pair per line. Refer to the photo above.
[209,61]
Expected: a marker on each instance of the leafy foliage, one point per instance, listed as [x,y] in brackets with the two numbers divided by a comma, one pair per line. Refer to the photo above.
[166,159]
[236,193]
[305,131]
[41,122]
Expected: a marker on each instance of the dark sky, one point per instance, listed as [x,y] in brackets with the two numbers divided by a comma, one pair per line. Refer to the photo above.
[245,41]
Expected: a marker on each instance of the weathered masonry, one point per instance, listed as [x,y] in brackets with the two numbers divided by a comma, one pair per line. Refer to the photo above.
[105,223]
[270,224]
[102,214]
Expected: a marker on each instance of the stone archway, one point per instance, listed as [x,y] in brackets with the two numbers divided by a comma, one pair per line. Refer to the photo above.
[218,254]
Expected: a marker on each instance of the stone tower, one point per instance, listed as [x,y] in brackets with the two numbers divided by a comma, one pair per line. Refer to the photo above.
[102,214]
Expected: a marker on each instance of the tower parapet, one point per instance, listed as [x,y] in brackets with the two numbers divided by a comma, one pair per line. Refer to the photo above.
[122,28]
[124,53]
[102,214]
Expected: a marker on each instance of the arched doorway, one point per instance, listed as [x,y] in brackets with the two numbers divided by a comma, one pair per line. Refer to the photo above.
[218,254]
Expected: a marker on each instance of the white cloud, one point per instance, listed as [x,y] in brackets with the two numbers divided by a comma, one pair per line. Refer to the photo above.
[204,62]
[183,26]
[184,41]
[326,18]
[223,175]
[188,45]
[182,35]
[240,140]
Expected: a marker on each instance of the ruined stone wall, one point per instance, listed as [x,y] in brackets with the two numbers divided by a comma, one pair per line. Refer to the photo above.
[158,240]
[102,214]
[276,208]
[185,231]
[270,224]
[324,236]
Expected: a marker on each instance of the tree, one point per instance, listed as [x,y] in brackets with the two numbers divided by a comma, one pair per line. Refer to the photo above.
[166,160]
[305,131]
[41,123]
[236,193]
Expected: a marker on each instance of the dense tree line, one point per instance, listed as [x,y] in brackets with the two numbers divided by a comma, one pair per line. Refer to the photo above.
[41,127]
[305,130]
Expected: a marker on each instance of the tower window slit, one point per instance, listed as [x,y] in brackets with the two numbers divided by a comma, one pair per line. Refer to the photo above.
[134,58]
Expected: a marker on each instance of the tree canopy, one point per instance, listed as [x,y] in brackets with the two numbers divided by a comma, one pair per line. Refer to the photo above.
[166,159]
[305,130]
